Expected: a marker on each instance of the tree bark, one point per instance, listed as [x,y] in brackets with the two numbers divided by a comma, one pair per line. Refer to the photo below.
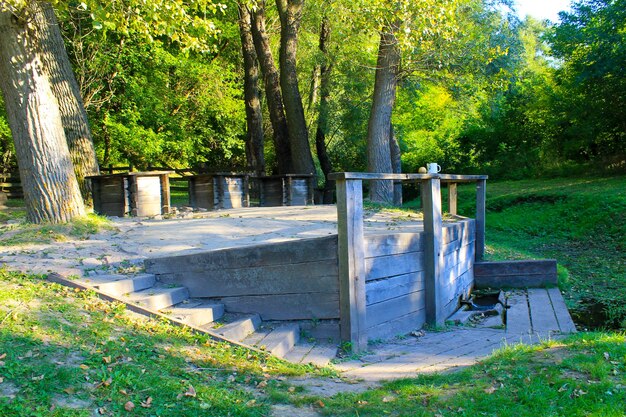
[252,94]
[322,117]
[51,191]
[396,165]
[273,94]
[378,128]
[290,12]
[58,68]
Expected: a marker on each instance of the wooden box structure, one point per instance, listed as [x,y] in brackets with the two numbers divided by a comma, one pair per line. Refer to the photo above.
[131,194]
[285,190]
[220,190]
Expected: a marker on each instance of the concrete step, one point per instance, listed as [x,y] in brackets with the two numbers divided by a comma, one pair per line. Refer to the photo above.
[195,312]
[315,352]
[159,297]
[126,285]
[281,340]
[239,328]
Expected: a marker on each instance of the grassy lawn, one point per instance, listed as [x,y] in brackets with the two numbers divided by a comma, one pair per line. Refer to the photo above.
[581,222]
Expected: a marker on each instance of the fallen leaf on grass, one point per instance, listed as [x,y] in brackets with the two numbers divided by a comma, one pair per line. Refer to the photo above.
[69,390]
[147,403]
[83,367]
[129,406]
[261,384]
[320,404]
[291,389]
[37,378]
[490,390]
[389,399]
[4,355]
[106,359]
[191,392]
[606,355]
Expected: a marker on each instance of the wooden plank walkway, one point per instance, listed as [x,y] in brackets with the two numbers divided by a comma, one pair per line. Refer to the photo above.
[535,315]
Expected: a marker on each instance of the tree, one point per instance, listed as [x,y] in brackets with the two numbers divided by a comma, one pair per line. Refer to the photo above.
[252,95]
[290,12]
[50,187]
[65,88]
[271,79]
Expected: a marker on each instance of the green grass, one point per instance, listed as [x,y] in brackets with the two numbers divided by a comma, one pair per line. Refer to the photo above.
[23,233]
[581,222]
[67,353]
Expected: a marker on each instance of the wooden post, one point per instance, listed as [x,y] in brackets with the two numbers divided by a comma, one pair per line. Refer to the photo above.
[165,193]
[433,253]
[452,198]
[481,197]
[351,263]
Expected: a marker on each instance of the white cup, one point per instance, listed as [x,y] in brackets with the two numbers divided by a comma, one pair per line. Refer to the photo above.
[433,168]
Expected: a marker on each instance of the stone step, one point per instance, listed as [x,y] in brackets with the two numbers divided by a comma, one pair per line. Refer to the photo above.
[239,328]
[195,312]
[278,340]
[126,285]
[159,297]
[321,354]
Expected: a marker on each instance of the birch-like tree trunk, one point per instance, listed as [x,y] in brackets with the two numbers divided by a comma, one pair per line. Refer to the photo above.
[290,12]
[51,191]
[252,95]
[65,88]
[271,81]
[379,126]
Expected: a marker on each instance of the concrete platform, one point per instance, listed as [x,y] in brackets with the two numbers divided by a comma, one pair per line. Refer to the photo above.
[535,315]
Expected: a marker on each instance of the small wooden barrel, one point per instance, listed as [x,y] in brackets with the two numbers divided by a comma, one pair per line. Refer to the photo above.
[131,194]
[286,190]
[218,191]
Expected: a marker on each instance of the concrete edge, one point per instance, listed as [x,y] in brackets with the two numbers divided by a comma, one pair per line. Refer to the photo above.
[59,279]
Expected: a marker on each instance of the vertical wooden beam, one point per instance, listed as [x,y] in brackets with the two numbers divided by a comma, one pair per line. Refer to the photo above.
[245,183]
[452,198]
[165,193]
[351,253]
[481,197]
[433,250]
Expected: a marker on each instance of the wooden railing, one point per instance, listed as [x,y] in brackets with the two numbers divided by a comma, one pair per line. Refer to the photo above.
[351,250]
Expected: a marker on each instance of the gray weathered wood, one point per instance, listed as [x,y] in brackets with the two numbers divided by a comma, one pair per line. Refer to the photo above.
[452,198]
[386,289]
[398,326]
[516,274]
[285,190]
[297,278]
[391,244]
[279,253]
[433,254]
[517,315]
[541,311]
[394,308]
[566,324]
[391,265]
[286,306]
[351,263]
[481,198]
[409,177]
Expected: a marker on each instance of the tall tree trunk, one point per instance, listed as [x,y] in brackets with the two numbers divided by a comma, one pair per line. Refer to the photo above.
[252,94]
[396,165]
[290,12]
[378,128]
[273,94]
[322,117]
[65,88]
[50,187]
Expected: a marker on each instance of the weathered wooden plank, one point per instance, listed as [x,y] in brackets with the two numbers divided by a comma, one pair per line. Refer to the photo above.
[385,289]
[395,308]
[398,326]
[481,201]
[516,274]
[433,254]
[391,244]
[382,176]
[387,266]
[517,315]
[280,253]
[452,198]
[351,263]
[462,229]
[566,324]
[273,279]
[286,306]
[541,311]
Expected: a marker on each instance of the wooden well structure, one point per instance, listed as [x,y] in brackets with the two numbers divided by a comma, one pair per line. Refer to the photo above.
[374,285]
[221,190]
[131,194]
[285,190]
